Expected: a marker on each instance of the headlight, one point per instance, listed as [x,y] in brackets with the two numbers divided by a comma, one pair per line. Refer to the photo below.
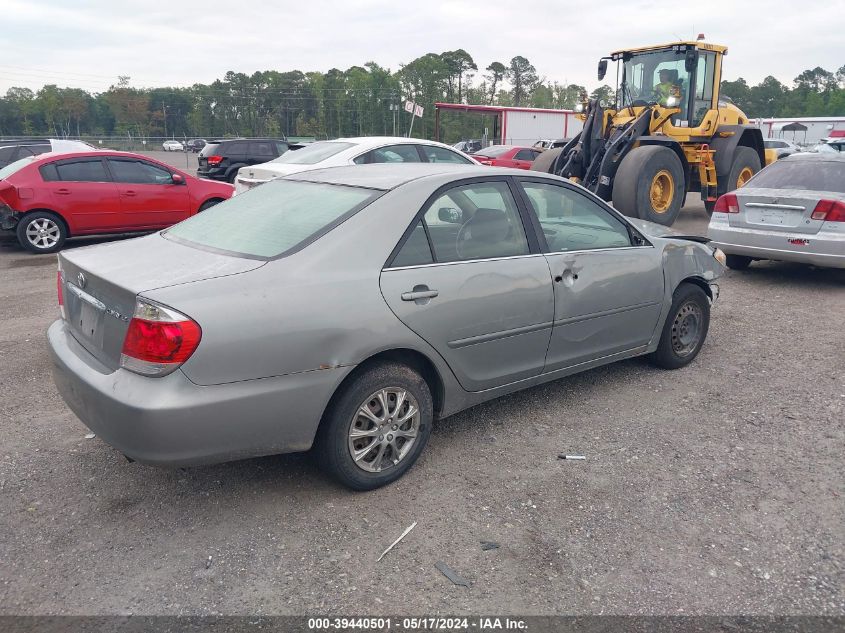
[719,256]
[672,102]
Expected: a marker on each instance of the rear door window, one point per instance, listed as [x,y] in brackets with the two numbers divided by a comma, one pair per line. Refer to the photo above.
[525,154]
[263,149]
[209,149]
[405,153]
[91,170]
[272,220]
[436,154]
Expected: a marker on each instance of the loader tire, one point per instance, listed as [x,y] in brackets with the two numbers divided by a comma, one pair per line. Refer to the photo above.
[545,161]
[745,164]
[650,185]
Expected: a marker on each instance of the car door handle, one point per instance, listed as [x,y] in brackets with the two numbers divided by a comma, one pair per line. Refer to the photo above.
[567,275]
[63,192]
[419,294]
[129,193]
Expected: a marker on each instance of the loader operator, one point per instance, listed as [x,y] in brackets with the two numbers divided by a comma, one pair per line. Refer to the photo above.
[666,88]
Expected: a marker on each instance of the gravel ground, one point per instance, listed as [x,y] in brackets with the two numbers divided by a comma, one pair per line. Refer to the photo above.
[709,490]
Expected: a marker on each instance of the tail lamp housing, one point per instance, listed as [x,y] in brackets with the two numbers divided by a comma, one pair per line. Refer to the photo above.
[726,204]
[829,211]
[158,340]
[214,160]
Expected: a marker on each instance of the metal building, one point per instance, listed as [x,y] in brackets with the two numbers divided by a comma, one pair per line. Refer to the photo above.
[517,126]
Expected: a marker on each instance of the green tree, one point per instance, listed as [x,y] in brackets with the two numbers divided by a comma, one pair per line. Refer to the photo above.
[496,75]
[523,77]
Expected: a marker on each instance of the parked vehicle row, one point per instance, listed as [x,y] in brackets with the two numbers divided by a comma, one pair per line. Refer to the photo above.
[46,199]
[221,159]
[191,145]
[431,287]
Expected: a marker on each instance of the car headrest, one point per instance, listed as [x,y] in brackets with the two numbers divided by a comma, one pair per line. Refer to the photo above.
[488,225]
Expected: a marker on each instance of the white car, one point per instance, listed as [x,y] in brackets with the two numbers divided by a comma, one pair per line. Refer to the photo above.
[173,146]
[350,151]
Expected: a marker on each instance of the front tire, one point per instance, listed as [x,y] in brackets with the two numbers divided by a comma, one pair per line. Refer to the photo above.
[376,427]
[650,185]
[685,329]
[42,232]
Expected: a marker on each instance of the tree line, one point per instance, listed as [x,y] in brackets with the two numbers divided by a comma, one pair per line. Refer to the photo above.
[358,101]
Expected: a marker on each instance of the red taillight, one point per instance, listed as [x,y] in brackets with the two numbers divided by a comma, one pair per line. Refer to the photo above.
[214,160]
[829,211]
[485,161]
[726,204]
[158,340]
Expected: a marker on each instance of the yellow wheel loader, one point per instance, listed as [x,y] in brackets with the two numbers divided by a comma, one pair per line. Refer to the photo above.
[668,133]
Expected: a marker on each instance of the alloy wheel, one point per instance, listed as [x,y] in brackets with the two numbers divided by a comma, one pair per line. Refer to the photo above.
[384,429]
[43,233]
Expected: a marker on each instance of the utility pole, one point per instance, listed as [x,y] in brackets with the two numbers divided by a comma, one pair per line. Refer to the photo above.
[164,111]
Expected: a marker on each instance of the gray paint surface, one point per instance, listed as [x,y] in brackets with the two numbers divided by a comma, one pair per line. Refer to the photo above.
[279,337]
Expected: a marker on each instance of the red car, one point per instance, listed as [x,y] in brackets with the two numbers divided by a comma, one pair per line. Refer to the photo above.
[46,199]
[507,156]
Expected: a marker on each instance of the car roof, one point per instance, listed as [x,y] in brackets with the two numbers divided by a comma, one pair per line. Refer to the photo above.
[386,176]
[814,156]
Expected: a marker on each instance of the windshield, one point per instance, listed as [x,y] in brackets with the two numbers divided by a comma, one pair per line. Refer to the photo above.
[811,175]
[312,154]
[11,168]
[653,77]
[272,220]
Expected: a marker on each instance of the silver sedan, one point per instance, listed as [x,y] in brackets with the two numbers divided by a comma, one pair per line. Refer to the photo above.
[793,210]
[348,308]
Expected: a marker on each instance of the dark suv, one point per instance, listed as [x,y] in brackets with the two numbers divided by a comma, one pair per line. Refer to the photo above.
[221,160]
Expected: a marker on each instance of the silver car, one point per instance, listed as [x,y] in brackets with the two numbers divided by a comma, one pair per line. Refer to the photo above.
[793,210]
[348,308]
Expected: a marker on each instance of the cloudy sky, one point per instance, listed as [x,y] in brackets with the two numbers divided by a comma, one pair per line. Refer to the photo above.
[88,43]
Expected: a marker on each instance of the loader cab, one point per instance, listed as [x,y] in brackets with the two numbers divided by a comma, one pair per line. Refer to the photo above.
[692,70]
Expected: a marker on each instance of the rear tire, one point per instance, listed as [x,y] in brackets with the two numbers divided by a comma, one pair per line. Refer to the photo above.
[737,262]
[685,329]
[745,164]
[386,448]
[42,232]
[650,185]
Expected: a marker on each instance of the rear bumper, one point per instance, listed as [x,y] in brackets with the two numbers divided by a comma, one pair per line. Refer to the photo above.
[172,421]
[212,174]
[8,218]
[822,249]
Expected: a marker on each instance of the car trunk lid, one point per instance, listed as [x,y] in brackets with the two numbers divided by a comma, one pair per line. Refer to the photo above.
[100,285]
[787,210]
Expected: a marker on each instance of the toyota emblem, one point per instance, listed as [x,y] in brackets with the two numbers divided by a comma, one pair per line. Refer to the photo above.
[80,280]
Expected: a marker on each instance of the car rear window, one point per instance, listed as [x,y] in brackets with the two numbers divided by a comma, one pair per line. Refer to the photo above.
[494,150]
[209,148]
[273,220]
[11,168]
[312,154]
[812,175]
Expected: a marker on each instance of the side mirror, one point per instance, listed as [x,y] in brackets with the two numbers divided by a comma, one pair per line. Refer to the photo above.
[602,68]
[689,60]
[177,179]
[449,215]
